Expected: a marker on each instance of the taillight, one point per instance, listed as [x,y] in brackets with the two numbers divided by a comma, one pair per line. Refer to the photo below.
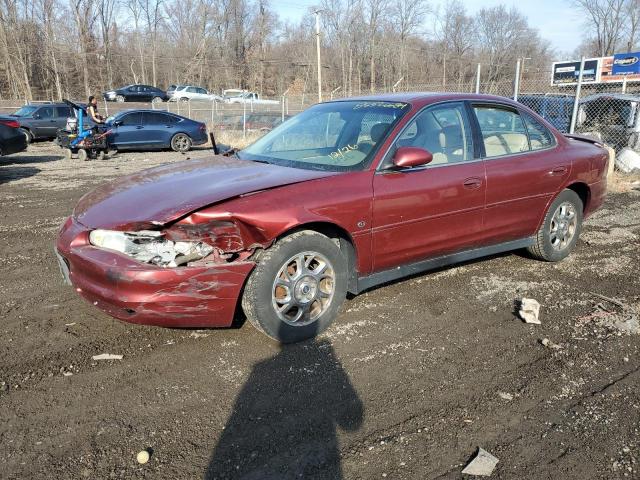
[10,123]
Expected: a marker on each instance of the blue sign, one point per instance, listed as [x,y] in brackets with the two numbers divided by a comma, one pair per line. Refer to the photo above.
[626,64]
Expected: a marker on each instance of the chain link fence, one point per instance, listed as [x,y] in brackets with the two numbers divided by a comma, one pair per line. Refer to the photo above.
[608,112]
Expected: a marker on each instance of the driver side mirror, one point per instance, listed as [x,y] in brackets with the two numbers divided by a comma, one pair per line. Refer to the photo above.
[407,157]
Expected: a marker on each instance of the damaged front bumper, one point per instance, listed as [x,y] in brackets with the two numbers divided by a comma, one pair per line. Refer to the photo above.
[188,296]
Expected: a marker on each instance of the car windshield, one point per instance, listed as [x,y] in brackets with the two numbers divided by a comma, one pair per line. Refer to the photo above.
[25,111]
[334,136]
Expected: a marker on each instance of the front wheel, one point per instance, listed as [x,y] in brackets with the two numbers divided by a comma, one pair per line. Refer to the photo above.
[83,156]
[181,143]
[297,287]
[119,98]
[560,229]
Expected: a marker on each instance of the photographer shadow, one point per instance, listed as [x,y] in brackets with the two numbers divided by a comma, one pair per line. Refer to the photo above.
[284,421]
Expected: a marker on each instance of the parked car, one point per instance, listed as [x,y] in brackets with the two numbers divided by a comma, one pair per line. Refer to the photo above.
[136,93]
[12,139]
[234,95]
[185,93]
[152,129]
[344,196]
[555,109]
[611,118]
[40,121]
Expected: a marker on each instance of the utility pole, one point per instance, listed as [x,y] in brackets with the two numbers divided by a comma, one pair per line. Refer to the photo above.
[317,14]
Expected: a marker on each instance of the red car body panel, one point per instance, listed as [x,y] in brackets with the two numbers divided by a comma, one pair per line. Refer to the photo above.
[391,218]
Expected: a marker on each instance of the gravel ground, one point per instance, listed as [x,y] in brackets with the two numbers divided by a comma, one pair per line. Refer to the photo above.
[408,383]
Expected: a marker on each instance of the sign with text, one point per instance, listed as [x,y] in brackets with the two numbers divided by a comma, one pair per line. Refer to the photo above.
[621,66]
[567,73]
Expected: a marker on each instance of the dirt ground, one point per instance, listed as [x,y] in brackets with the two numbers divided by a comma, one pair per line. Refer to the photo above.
[408,383]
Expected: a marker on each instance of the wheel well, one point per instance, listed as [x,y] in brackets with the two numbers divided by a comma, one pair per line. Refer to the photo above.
[583,191]
[345,243]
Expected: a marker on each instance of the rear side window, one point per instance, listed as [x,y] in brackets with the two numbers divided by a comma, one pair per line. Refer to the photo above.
[503,131]
[539,136]
[156,118]
[64,112]
[132,119]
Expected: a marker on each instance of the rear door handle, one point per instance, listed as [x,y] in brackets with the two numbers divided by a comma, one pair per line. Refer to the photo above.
[557,171]
[473,182]
[139,127]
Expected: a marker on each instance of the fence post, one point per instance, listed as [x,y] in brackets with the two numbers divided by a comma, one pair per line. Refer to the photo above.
[478,78]
[624,84]
[516,84]
[213,112]
[576,101]
[244,120]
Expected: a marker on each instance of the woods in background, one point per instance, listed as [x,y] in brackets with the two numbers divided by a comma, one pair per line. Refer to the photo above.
[51,49]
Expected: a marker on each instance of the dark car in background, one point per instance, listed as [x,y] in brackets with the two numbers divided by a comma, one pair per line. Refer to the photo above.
[136,93]
[12,140]
[154,130]
[40,121]
[555,109]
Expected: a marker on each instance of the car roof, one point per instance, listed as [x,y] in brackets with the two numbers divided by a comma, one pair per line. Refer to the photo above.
[424,98]
[148,110]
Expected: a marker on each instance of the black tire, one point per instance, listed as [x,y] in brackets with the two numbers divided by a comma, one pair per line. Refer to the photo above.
[548,245]
[28,135]
[181,142]
[83,155]
[260,290]
[184,100]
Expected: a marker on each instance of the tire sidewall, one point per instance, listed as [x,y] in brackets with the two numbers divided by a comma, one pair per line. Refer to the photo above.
[173,147]
[264,275]
[551,253]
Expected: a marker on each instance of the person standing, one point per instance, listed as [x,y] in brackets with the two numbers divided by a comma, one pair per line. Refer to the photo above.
[92,109]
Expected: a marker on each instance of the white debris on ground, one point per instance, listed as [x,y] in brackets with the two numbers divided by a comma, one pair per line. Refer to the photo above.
[482,465]
[505,396]
[549,344]
[107,356]
[529,311]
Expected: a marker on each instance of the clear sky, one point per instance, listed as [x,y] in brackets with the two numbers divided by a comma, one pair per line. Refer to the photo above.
[555,19]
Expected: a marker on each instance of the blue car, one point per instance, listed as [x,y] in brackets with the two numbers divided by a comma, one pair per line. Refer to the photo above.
[154,130]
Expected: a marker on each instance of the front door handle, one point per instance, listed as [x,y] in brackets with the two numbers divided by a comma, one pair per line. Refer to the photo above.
[139,127]
[561,170]
[473,182]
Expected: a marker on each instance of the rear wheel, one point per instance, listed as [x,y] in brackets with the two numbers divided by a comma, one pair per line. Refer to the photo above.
[27,134]
[297,288]
[560,229]
[156,100]
[68,154]
[82,155]
[181,142]
[184,99]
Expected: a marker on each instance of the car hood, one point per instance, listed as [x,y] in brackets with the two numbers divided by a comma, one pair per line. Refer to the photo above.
[163,194]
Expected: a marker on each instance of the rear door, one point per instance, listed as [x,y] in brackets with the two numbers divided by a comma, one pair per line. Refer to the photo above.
[524,170]
[158,129]
[62,114]
[130,133]
[434,209]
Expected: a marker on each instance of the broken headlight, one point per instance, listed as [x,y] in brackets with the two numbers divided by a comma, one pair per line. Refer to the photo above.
[148,246]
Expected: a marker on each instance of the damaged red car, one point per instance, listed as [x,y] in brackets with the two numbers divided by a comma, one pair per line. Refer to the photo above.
[344,196]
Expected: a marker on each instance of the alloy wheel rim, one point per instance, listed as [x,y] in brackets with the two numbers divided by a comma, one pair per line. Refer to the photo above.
[303,288]
[181,142]
[563,226]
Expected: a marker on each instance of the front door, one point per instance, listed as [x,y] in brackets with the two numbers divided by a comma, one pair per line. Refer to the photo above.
[45,122]
[433,209]
[129,132]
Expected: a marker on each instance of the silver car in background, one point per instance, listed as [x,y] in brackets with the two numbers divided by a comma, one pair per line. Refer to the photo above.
[185,93]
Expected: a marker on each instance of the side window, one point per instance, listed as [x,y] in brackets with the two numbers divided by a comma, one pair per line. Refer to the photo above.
[132,119]
[156,118]
[46,112]
[64,112]
[192,90]
[539,136]
[503,131]
[442,130]
[133,88]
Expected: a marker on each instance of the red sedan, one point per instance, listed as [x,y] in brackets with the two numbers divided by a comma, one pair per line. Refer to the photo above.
[344,196]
